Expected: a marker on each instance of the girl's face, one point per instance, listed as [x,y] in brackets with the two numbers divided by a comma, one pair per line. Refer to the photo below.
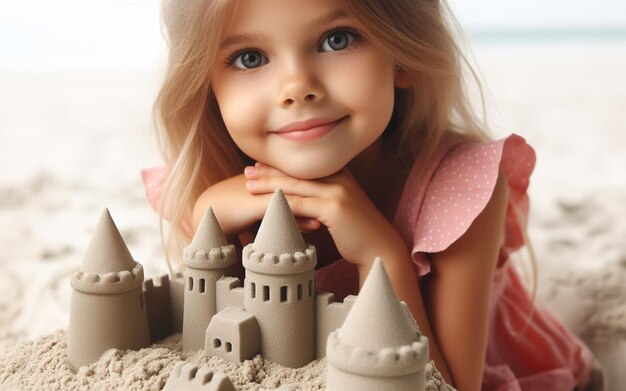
[300,86]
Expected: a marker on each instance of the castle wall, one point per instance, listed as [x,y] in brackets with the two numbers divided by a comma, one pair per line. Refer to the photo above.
[284,307]
[229,293]
[188,376]
[177,301]
[157,297]
[102,322]
[199,306]
[338,380]
[329,316]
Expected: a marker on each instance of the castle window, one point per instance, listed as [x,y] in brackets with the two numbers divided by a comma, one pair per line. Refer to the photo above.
[228,346]
[310,288]
[266,293]
[190,284]
[283,294]
[202,285]
[299,291]
[141,300]
[253,290]
[217,343]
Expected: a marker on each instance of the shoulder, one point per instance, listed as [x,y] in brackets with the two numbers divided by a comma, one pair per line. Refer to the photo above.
[464,271]
[473,182]
[467,265]
[485,234]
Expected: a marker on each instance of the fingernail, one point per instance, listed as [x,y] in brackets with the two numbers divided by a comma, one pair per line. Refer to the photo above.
[250,184]
[249,170]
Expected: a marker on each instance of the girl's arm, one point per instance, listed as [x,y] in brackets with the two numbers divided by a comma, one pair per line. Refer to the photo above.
[235,208]
[457,291]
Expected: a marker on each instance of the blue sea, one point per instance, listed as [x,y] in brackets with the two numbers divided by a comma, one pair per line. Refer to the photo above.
[547,35]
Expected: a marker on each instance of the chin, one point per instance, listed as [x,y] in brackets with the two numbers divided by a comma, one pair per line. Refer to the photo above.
[310,171]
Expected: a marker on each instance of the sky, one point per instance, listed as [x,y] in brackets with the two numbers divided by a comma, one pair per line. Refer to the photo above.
[123,33]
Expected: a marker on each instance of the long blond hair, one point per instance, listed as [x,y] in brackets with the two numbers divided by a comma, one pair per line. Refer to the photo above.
[416,34]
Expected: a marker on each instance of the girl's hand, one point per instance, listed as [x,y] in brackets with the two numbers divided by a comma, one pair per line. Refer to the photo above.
[359,230]
[236,209]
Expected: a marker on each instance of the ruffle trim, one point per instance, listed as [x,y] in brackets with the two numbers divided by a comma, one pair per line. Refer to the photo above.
[154,180]
[462,186]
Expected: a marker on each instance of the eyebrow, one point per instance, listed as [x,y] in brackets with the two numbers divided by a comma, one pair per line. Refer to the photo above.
[250,37]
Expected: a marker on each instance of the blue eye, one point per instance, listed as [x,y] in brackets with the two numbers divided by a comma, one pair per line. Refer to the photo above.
[247,59]
[338,40]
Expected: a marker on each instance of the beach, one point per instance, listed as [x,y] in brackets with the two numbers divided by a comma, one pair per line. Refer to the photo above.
[72,142]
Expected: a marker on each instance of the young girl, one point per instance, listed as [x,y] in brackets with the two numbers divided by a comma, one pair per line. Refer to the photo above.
[357,111]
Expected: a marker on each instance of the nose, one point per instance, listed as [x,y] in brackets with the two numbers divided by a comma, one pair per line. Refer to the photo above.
[298,86]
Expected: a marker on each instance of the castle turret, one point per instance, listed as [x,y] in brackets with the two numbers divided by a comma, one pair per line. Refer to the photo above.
[378,347]
[278,287]
[107,307]
[207,258]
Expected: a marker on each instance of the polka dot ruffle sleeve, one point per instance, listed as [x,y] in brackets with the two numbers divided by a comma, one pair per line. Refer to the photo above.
[460,188]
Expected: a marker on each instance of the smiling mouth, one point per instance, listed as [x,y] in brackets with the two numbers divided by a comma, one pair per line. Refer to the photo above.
[308,131]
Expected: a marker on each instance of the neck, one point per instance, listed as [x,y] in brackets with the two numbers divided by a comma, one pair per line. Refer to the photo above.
[365,167]
[374,172]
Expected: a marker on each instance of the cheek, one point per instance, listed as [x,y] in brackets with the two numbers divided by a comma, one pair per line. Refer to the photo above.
[366,87]
[236,97]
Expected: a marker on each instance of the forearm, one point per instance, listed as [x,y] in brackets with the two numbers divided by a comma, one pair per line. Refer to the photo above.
[400,269]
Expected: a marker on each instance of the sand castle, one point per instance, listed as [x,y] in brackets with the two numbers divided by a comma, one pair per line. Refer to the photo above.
[276,312]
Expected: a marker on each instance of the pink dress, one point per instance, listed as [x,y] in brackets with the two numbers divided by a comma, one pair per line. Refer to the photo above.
[435,213]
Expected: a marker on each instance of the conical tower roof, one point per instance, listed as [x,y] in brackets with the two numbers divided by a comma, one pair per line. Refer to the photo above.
[377,319]
[209,234]
[209,248]
[107,251]
[279,232]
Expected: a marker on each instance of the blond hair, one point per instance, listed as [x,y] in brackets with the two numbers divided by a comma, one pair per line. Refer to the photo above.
[416,34]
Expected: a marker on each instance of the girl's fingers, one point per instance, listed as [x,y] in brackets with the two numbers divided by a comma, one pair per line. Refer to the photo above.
[289,185]
[307,224]
[261,170]
[312,207]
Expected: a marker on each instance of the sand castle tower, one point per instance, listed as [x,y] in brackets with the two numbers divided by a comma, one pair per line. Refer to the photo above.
[107,305]
[378,347]
[278,287]
[207,258]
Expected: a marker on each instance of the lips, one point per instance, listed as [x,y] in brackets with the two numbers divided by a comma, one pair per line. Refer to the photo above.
[308,130]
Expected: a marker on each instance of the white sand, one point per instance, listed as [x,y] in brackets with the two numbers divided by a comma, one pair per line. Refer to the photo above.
[72,144]
[41,363]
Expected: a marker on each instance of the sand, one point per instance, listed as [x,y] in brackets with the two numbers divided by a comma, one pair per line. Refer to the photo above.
[41,364]
[72,143]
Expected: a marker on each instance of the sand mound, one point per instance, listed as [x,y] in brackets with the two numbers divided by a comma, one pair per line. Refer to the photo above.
[41,364]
